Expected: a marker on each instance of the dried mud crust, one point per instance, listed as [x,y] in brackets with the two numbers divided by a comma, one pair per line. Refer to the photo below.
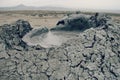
[93,55]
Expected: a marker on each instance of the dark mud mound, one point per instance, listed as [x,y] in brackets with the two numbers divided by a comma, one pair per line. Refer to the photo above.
[11,34]
[82,22]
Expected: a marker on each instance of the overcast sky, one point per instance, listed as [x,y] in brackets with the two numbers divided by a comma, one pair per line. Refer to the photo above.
[92,4]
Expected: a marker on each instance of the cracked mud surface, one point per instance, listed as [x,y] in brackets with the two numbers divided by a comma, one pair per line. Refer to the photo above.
[93,55]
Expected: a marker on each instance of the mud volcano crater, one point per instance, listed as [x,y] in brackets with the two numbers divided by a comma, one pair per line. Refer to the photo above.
[48,38]
[67,28]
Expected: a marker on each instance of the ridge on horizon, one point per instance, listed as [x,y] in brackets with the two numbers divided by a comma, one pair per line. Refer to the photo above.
[55,8]
[25,7]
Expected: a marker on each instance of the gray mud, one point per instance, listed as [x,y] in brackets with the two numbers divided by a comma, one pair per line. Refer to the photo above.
[49,39]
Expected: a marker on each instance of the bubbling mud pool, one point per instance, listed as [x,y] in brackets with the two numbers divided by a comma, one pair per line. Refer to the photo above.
[49,39]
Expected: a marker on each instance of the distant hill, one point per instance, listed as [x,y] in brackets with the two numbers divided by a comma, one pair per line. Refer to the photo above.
[53,8]
[23,7]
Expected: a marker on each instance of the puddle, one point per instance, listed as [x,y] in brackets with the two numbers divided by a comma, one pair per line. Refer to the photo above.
[49,39]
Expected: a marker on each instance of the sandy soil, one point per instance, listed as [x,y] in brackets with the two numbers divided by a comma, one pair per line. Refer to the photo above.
[36,19]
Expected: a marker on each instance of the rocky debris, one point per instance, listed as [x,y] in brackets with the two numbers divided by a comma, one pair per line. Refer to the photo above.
[93,55]
[11,34]
[100,19]
[82,22]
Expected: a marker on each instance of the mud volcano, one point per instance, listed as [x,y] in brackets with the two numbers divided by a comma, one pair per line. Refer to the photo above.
[92,53]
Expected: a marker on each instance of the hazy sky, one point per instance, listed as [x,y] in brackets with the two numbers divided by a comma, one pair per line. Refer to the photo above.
[94,4]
